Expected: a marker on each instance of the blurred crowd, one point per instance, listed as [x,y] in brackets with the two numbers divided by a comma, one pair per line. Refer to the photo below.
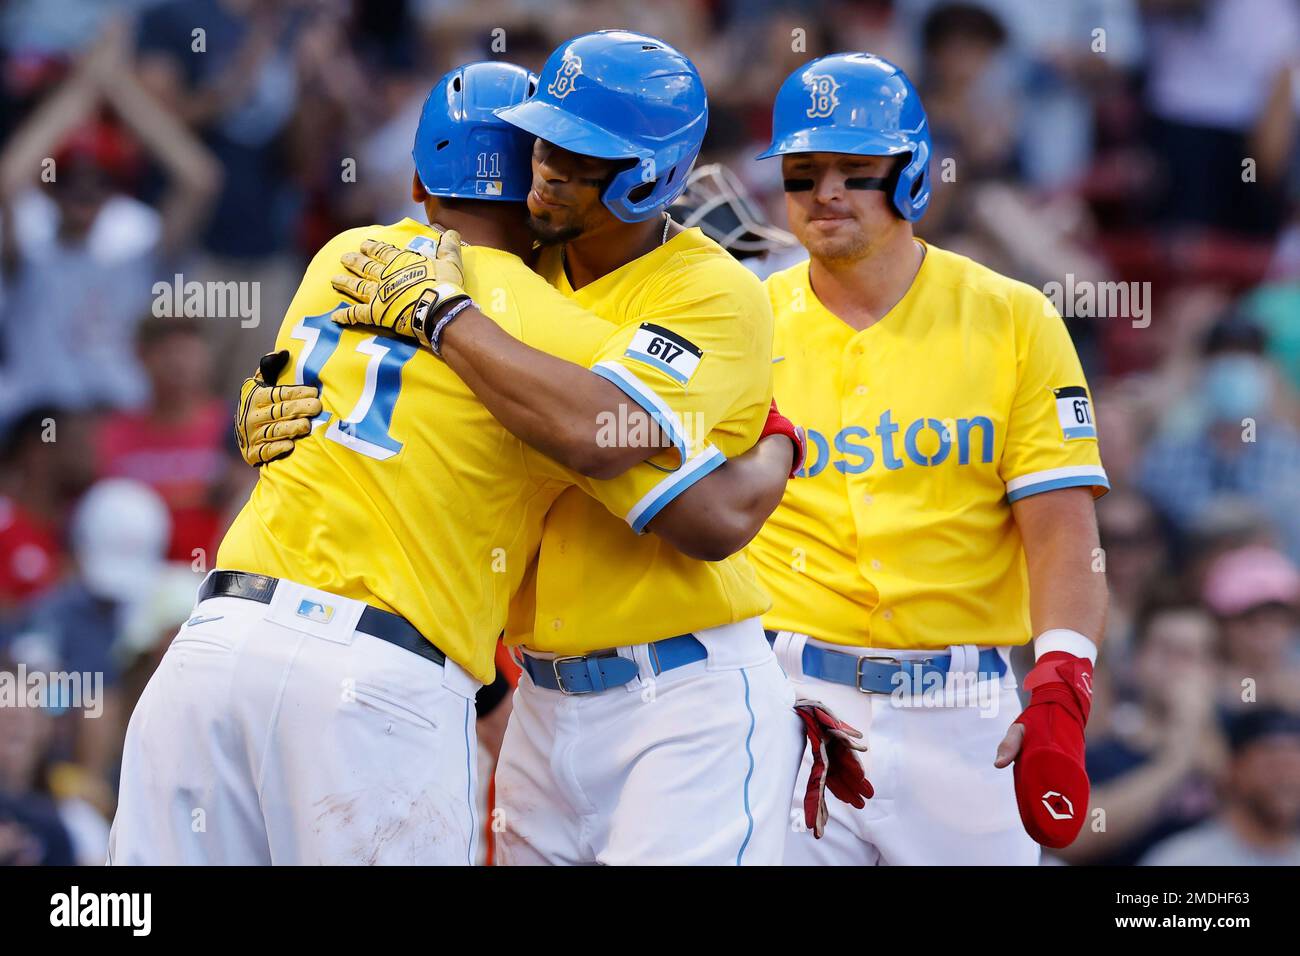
[1147,146]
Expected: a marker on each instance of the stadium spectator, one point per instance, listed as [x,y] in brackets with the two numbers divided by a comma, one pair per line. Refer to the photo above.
[1255,593]
[68,340]
[31,830]
[176,442]
[1136,562]
[971,115]
[1205,111]
[226,69]
[1223,438]
[119,535]
[1153,768]
[1259,824]
[45,465]
[229,70]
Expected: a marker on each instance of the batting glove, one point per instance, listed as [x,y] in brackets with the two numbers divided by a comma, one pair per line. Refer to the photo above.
[835,764]
[1052,786]
[400,290]
[270,417]
[778,424]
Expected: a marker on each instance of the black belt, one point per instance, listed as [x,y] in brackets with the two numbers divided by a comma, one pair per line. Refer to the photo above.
[384,625]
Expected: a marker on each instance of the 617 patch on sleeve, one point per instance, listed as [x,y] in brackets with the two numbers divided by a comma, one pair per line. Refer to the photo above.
[1074,411]
[670,353]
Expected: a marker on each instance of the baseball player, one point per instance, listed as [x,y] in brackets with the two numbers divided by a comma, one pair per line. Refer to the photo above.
[318,705]
[945,511]
[652,723]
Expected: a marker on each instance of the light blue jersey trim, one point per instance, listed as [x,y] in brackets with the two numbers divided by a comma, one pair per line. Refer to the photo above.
[664,493]
[655,406]
[1076,481]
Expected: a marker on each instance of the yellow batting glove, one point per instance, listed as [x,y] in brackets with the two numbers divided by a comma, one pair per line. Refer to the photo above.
[270,417]
[400,290]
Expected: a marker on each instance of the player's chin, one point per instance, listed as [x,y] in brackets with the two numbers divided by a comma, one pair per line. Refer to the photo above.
[548,232]
[835,244]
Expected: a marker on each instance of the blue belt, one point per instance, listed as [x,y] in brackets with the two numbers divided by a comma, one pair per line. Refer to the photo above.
[879,675]
[601,670]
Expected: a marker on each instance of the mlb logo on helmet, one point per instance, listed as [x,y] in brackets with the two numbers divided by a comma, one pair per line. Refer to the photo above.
[488,187]
[823,90]
[562,85]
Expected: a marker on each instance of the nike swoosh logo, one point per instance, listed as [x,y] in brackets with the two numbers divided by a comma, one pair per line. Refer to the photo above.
[200,619]
[779,358]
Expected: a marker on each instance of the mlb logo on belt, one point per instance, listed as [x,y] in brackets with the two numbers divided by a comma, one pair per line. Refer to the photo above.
[315,611]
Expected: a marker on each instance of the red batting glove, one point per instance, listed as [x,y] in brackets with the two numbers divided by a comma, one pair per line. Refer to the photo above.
[1051,780]
[778,424]
[834,764]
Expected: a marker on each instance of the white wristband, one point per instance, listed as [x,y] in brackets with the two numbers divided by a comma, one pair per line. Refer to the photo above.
[1062,639]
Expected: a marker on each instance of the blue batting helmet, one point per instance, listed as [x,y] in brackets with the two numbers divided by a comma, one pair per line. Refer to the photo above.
[860,104]
[461,148]
[620,95]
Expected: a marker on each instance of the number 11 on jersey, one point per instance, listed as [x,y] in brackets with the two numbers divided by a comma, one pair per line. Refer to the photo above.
[365,428]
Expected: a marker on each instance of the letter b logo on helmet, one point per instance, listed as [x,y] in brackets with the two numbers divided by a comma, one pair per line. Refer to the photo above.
[620,95]
[823,90]
[562,85]
[859,104]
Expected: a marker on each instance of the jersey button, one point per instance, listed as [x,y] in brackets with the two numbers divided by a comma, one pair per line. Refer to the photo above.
[867,499]
[875,564]
[557,624]
[888,615]
[860,390]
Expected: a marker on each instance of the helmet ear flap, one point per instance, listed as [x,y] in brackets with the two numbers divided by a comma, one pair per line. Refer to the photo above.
[909,180]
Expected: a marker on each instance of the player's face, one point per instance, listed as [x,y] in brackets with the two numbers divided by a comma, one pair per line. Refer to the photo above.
[564,202]
[830,220]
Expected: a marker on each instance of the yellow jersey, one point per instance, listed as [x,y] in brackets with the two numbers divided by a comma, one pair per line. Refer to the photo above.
[408,495]
[922,428]
[693,348]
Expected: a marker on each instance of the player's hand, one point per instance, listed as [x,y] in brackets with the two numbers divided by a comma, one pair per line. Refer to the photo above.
[400,290]
[270,417]
[1046,742]
[835,763]
[778,424]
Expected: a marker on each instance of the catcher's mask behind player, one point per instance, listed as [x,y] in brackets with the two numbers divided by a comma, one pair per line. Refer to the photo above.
[717,202]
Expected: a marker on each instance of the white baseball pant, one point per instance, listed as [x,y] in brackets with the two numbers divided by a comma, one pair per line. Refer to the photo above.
[267,737]
[693,766]
[939,800]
